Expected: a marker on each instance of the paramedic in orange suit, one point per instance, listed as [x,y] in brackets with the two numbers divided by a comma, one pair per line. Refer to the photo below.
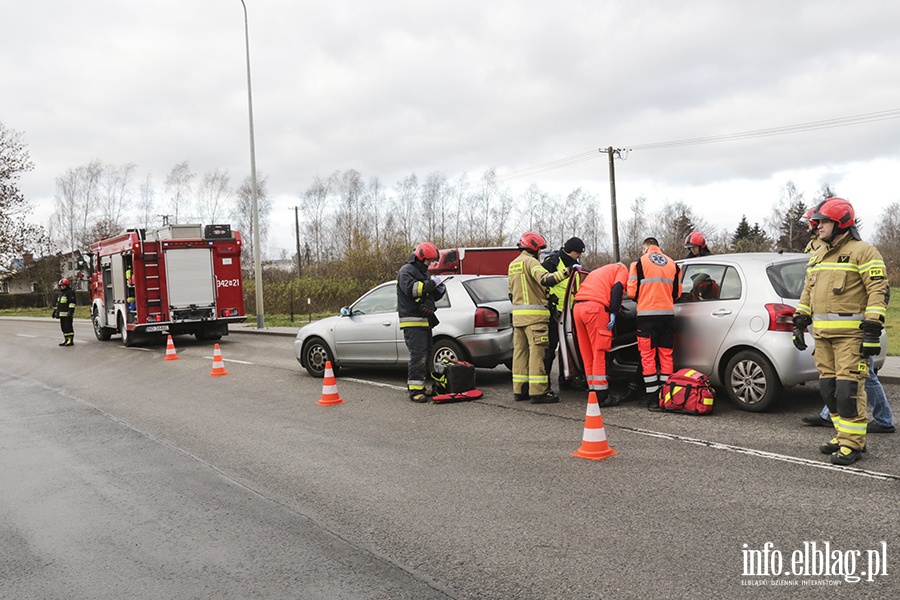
[597,303]
[654,283]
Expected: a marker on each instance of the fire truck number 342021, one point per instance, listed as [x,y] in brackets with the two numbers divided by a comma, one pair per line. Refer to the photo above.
[227,283]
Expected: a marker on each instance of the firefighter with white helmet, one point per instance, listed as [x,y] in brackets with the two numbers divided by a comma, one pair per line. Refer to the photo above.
[65,312]
[417,293]
[528,285]
[844,299]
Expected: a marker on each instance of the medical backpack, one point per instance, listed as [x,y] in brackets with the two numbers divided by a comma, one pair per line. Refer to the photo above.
[687,391]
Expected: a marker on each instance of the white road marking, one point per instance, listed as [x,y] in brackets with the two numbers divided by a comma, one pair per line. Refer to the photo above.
[25,335]
[763,454]
[375,383]
[231,360]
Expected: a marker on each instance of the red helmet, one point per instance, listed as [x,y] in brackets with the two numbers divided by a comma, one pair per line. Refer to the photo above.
[63,282]
[531,241]
[695,238]
[426,251]
[808,217]
[835,209]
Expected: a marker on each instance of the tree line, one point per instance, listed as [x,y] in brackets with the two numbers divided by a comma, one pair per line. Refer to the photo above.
[363,229]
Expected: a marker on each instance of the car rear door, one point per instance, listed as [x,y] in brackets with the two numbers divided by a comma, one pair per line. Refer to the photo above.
[712,297]
[371,333]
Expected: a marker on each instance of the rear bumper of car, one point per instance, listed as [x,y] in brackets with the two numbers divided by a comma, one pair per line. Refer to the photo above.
[487,350]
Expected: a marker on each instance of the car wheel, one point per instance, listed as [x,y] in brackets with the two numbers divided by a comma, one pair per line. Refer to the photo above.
[103,333]
[751,381]
[447,349]
[315,354]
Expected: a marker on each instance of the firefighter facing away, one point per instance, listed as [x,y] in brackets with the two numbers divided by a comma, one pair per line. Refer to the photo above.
[844,299]
[597,303]
[65,312]
[654,283]
[417,293]
[528,283]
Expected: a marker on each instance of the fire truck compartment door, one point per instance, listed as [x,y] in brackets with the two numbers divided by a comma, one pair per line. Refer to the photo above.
[189,277]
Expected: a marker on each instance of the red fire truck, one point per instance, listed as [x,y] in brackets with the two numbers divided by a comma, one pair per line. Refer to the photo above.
[474,261]
[177,279]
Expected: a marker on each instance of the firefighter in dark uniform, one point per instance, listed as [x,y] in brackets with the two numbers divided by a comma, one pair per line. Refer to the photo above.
[65,312]
[565,258]
[417,293]
[844,299]
[528,283]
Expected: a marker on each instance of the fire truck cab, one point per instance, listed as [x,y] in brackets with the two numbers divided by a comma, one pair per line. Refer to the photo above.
[173,280]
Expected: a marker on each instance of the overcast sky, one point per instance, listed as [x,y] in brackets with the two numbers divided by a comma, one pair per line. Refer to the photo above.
[391,87]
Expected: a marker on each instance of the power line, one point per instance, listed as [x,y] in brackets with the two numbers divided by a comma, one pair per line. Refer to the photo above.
[713,139]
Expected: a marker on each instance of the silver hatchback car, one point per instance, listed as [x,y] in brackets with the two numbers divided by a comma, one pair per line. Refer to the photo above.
[733,322]
[475,326]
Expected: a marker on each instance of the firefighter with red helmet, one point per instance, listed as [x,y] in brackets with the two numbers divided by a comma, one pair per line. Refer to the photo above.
[844,299]
[417,293]
[695,243]
[528,285]
[65,312]
[654,283]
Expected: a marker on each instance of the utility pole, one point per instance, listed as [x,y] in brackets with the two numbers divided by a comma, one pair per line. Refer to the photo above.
[297,234]
[612,152]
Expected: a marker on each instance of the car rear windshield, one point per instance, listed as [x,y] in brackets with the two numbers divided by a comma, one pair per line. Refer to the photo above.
[487,289]
[787,278]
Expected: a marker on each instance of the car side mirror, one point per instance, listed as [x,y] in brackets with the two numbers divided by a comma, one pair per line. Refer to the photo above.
[345,312]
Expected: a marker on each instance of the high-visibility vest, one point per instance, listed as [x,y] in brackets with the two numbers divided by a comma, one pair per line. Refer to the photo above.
[653,283]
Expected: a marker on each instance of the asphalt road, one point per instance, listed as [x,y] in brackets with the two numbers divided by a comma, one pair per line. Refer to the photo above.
[127,476]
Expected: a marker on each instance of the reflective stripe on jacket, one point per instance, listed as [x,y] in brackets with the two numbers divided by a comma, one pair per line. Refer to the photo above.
[559,261]
[845,284]
[653,281]
[528,283]
[65,304]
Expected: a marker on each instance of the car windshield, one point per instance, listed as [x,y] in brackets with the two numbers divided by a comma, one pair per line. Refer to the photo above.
[487,289]
[787,278]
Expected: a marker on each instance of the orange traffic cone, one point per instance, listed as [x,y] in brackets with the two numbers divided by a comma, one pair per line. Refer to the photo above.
[593,442]
[218,364]
[329,388]
[170,350]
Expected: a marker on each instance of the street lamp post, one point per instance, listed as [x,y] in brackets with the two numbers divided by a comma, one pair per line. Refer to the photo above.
[257,261]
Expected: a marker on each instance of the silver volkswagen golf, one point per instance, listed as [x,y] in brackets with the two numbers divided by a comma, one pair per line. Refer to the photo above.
[475,326]
[733,322]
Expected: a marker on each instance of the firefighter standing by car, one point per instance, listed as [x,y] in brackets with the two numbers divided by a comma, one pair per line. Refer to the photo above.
[844,299]
[695,243]
[65,312]
[565,258]
[596,305]
[528,283]
[654,283]
[417,293]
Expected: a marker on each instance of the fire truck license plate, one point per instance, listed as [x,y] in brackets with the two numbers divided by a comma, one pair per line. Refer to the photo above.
[157,328]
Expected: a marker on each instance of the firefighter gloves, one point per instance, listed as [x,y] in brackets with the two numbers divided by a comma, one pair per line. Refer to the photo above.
[799,339]
[801,322]
[871,344]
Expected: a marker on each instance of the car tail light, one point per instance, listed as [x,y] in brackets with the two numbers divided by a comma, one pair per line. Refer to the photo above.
[230,312]
[486,317]
[780,317]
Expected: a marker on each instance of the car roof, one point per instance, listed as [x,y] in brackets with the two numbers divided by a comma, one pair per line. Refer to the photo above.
[750,257]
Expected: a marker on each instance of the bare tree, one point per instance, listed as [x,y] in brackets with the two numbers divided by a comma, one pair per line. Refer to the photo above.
[178,188]
[114,191]
[406,208]
[213,195]
[146,203]
[242,215]
[888,242]
[315,203]
[14,231]
[634,230]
